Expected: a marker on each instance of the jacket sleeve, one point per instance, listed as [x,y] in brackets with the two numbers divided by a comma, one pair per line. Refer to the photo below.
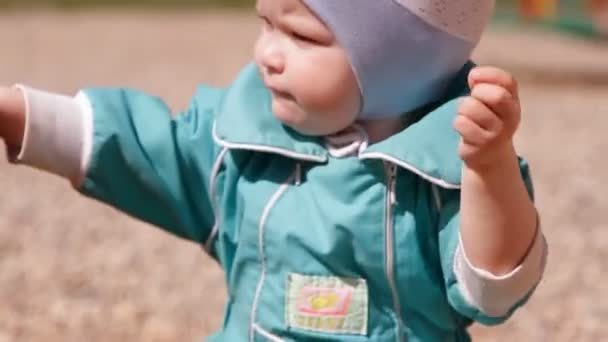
[124,148]
[476,293]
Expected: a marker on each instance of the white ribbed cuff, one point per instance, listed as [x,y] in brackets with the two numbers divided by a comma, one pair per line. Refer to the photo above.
[58,133]
[496,295]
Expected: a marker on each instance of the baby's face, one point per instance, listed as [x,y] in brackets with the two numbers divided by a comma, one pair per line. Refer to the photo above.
[313,87]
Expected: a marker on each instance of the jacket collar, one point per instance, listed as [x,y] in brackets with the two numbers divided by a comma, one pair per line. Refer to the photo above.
[428,147]
[245,121]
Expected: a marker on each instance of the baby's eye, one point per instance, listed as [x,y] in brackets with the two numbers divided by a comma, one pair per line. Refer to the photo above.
[303,38]
[266,21]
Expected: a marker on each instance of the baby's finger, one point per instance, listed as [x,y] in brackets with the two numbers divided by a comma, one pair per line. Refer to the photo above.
[479,113]
[470,132]
[497,99]
[493,75]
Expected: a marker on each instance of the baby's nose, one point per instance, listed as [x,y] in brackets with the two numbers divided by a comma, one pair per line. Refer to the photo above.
[273,59]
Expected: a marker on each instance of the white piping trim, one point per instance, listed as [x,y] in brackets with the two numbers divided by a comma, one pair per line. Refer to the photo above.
[219,161]
[386,157]
[273,200]
[266,334]
[391,179]
[268,149]
[437,197]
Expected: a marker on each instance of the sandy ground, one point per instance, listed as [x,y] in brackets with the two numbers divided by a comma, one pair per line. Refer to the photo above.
[75,270]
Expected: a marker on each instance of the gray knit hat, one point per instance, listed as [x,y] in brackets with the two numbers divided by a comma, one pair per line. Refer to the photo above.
[404,52]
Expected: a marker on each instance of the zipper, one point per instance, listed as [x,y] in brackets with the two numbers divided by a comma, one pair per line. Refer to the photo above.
[390,200]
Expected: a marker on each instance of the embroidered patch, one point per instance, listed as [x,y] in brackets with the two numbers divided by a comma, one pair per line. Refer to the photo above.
[327,304]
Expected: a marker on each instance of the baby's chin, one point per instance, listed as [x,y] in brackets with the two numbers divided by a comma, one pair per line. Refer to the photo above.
[307,128]
[291,114]
[301,126]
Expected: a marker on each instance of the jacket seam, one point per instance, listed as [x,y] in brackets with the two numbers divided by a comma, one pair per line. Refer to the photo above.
[265,214]
[217,166]
[267,334]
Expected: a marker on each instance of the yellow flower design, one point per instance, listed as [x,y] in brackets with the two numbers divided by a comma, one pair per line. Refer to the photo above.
[322,301]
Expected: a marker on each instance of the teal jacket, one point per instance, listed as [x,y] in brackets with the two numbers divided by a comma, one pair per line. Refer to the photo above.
[314,247]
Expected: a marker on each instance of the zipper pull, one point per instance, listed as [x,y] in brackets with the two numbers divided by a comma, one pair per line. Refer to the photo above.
[393,184]
[298,175]
[391,172]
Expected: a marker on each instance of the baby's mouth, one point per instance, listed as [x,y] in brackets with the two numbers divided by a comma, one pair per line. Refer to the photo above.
[281,94]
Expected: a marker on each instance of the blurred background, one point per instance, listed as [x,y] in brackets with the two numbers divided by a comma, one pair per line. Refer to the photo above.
[75,270]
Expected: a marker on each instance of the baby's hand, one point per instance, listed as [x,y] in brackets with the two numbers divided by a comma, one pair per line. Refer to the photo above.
[488,119]
[12,116]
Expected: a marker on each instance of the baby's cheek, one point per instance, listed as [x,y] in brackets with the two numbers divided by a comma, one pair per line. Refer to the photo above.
[257,51]
[343,91]
[332,96]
